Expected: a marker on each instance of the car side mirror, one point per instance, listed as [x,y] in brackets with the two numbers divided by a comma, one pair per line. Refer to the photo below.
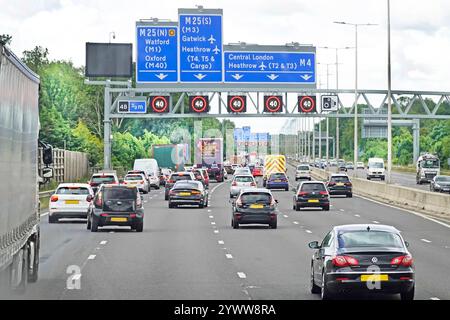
[314,245]
[276,200]
[407,244]
[89,198]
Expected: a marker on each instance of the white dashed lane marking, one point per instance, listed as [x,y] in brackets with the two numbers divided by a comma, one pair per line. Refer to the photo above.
[229,256]
[286,216]
[357,215]
[425,240]
[103,242]
[308,231]
[216,231]
[241,275]
[295,222]
[376,222]
[221,242]
[92,257]
[213,223]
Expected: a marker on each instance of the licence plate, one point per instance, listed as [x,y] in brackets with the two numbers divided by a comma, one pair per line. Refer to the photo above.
[256,206]
[374,277]
[339,184]
[184,193]
[313,201]
[119,219]
[72,201]
[277,180]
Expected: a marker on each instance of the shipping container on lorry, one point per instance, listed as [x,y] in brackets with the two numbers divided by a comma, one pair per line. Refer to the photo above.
[19,213]
[169,156]
[209,154]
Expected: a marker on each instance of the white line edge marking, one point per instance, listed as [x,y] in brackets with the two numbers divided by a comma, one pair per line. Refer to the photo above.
[375,221]
[229,256]
[92,257]
[241,275]
[406,210]
[295,222]
[434,298]
[44,214]
[286,216]
[308,231]
[425,240]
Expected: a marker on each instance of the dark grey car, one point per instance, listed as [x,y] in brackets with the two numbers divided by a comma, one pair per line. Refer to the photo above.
[440,184]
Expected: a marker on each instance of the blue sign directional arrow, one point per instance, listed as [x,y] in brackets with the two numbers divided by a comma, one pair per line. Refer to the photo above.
[156,53]
[270,67]
[200,50]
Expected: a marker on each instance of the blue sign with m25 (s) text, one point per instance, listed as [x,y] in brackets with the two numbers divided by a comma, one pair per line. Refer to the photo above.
[200,47]
[270,67]
[156,53]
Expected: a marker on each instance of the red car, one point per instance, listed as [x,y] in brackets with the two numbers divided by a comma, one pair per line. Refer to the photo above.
[257,171]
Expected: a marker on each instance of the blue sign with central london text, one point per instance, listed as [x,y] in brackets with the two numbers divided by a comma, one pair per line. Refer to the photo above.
[156,54]
[200,47]
[269,67]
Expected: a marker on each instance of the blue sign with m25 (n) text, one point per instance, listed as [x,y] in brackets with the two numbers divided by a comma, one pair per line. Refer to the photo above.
[200,47]
[156,53]
[270,67]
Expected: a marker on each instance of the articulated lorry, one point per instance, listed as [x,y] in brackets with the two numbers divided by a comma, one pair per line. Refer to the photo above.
[19,190]
[427,167]
[209,154]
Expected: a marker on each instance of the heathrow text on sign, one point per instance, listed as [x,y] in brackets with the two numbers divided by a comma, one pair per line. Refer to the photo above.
[156,52]
[282,67]
[200,49]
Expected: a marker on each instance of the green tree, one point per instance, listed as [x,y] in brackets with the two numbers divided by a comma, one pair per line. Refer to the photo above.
[36,58]
[5,39]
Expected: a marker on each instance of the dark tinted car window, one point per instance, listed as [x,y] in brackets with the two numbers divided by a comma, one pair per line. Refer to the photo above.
[256,197]
[187,185]
[443,178]
[72,191]
[134,177]
[177,177]
[119,193]
[277,176]
[313,187]
[243,179]
[339,179]
[352,239]
[103,179]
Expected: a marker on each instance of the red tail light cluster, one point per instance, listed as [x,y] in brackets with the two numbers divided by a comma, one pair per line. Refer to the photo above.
[54,198]
[303,193]
[331,183]
[405,260]
[344,261]
[234,184]
[324,193]
[253,184]
[349,184]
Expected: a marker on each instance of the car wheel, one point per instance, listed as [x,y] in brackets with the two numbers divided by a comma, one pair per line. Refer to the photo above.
[201,205]
[273,225]
[166,197]
[286,189]
[408,295]
[235,224]
[140,226]
[350,195]
[88,224]
[231,196]
[326,208]
[324,291]
[368,178]
[52,219]
[297,207]
[313,287]
[94,224]
[33,270]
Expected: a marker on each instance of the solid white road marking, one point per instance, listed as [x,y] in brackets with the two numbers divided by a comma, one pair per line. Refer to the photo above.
[111,232]
[308,231]
[229,256]
[295,222]
[92,257]
[241,275]
[44,214]
[357,215]
[286,216]
[425,240]
[103,242]
[221,242]
[434,298]
[375,221]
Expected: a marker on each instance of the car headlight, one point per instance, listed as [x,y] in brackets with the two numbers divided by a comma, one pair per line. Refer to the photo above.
[436,185]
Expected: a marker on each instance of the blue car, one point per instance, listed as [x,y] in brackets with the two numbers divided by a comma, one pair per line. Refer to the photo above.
[278,180]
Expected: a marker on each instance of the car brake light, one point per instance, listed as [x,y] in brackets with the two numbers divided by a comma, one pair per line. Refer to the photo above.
[124,182]
[142,181]
[98,201]
[89,198]
[170,181]
[171,192]
[303,193]
[405,260]
[103,214]
[195,192]
[344,261]
[253,184]
[324,193]
[54,198]
[234,184]
[132,215]
[348,184]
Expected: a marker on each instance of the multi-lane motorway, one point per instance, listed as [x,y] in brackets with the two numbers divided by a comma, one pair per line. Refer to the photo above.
[195,254]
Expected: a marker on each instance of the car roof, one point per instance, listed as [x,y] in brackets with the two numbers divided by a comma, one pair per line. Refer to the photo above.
[311,182]
[339,175]
[264,190]
[117,186]
[103,174]
[188,182]
[182,173]
[65,185]
[363,227]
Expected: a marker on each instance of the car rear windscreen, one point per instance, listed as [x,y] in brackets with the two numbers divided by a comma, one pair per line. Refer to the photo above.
[243,179]
[339,179]
[73,191]
[256,197]
[180,177]
[303,168]
[134,177]
[313,187]
[366,239]
[277,176]
[103,179]
[186,185]
[119,193]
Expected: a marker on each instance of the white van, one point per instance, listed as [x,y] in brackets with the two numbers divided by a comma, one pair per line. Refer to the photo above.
[150,166]
[375,169]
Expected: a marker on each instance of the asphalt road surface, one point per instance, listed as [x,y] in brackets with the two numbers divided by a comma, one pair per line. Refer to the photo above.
[190,253]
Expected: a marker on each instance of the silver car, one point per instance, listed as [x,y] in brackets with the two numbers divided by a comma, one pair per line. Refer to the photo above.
[242,171]
[241,182]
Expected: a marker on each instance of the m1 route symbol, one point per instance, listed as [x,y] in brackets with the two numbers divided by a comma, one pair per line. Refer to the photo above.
[198,104]
[306,104]
[237,104]
[273,104]
[159,104]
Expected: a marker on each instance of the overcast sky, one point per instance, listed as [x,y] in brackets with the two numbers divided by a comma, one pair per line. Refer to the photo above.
[420,33]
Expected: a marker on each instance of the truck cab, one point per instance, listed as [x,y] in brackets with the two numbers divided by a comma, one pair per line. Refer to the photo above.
[427,167]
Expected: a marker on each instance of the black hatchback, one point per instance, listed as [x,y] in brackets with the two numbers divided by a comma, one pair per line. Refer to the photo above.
[311,194]
[254,206]
[188,193]
[340,184]
[116,205]
[362,258]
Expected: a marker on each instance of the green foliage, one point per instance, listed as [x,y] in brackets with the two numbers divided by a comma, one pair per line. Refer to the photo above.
[5,39]
[36,58]
[86,141]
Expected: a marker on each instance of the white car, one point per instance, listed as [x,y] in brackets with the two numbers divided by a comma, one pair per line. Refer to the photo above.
[137,180]
[360,165]
[303,171]
[70,200]
[241,182]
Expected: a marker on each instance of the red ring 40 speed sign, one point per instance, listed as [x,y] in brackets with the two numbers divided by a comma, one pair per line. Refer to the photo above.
[237,104]
[273,104]
[198,104]
[159,104]
[307,104]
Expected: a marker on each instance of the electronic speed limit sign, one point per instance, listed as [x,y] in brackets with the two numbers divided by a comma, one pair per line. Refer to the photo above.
[237,104]
[198,104]
[159,104]
[273,104]
[307,104]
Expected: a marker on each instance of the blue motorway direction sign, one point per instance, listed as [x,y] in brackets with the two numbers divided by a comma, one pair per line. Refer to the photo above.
[200,47]
[270,67]
[156,53]
[132,106]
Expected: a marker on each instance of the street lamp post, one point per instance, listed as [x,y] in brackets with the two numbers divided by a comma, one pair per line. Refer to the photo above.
[389,98]
[355,131]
